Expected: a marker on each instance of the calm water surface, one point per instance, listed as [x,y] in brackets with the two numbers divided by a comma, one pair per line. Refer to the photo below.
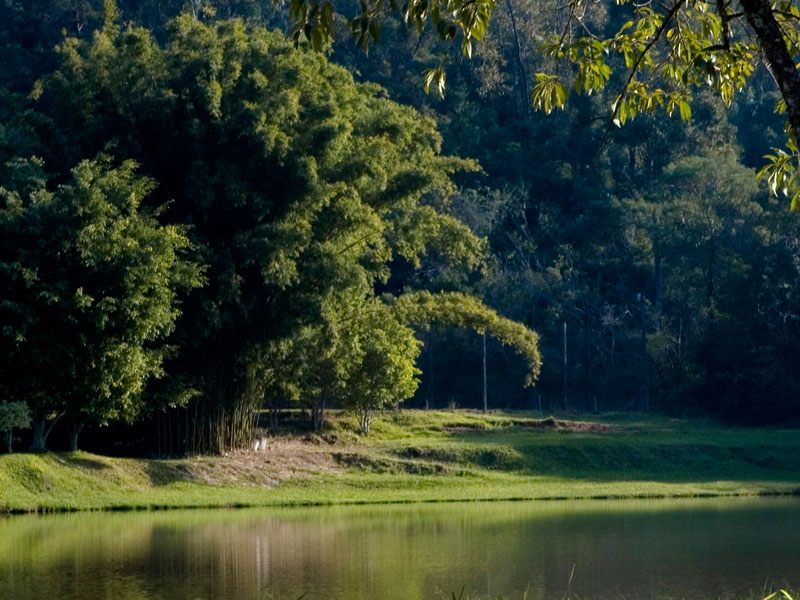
[644,549]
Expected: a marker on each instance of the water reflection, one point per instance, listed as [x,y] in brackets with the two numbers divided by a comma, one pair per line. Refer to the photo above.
[646,549]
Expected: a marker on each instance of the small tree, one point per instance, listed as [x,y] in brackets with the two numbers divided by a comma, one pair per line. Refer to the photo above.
[382,372]
[13,415]
[379,347]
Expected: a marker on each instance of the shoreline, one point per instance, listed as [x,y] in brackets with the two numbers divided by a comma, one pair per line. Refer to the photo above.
[424,457]
[794,493]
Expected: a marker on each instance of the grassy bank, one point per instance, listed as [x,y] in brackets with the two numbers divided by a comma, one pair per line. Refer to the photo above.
[427,456]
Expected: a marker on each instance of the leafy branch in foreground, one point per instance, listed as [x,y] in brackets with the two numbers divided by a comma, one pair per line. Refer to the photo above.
[779,595]
[313,20]
[666,51]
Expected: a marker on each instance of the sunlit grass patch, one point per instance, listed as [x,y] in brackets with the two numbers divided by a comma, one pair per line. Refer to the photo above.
[419,456]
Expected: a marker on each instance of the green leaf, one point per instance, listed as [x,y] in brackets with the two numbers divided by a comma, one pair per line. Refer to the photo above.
[685,109]
[622,113]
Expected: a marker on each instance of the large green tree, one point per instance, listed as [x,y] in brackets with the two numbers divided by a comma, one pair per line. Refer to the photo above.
[90,283]
[301,189]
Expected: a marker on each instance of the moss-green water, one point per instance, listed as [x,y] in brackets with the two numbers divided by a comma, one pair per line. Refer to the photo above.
[721,548]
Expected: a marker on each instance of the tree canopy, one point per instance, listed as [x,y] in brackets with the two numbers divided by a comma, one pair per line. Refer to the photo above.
[299,190]
[90,282]
[652,55]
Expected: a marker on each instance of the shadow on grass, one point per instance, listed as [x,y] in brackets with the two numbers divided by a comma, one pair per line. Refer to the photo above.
[602,458]
[83,462]
[163,474]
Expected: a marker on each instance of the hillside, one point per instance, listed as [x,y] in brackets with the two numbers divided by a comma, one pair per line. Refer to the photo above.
[416,456]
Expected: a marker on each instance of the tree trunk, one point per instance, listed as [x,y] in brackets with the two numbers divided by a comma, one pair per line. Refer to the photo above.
[587,359]
[612,362]
[39,437]
[485,395]
[429,395]
[520,78]
[318,414]
[73,440]
[273,416]
[75,428]
[645,395]
[9,441]
[711,309]
[366,419]
[564,383]
[41,429]
[659,269]
[777,57]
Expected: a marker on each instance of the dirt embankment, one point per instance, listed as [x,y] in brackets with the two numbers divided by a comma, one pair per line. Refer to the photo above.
[282,459]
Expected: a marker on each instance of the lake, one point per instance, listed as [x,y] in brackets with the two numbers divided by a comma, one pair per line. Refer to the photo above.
[708,548]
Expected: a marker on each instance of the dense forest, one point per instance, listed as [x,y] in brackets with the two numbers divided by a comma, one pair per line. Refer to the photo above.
[199,220]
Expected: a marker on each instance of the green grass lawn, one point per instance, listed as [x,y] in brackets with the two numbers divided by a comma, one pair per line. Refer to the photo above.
[415,456]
